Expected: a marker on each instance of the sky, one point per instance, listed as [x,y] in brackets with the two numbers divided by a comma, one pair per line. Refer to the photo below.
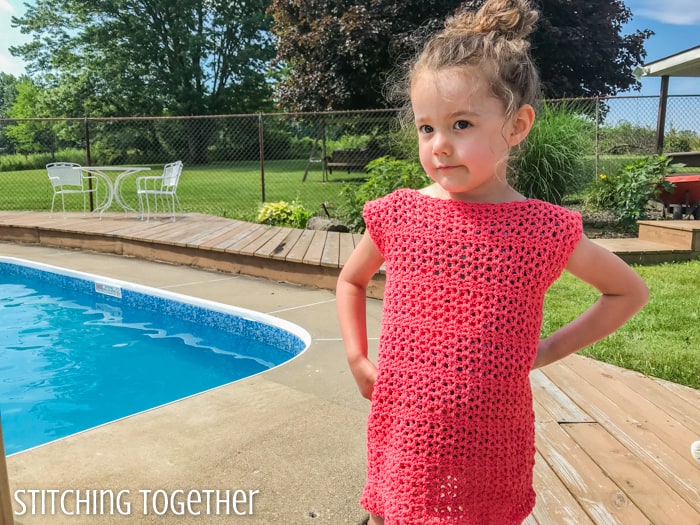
[676,24]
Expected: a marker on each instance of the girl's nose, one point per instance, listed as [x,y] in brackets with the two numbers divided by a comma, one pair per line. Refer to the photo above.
[441,145]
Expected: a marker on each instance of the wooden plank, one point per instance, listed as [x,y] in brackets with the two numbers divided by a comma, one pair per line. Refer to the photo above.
[555,505]
[255,244]
[298,251]
[72,228]
[331,250]
[690,395]
[656,440]
[47,219]
[148,233]
[347,246]
[244,240]
[659,502]
[69,223]
[315,250]
[137,222]
[224,236]
[134,228]
[597,494]
[555,401]
[230,242]
[173,233]
[278,247]
[266,250]
[142,230]
[11,217]
[641,419]
[27,218]
[211,232]
[667,397]
[189,236]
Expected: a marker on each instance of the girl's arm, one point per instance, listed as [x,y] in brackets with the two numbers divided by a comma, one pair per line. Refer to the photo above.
[351,296]
[623,295]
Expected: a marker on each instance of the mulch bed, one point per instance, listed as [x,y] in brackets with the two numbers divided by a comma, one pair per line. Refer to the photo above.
[602,224]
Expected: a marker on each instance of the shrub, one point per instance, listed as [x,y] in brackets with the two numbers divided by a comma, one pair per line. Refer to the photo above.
[283,213]
[550,163]
[627,192]
[684,140]
[277,144]
[18,162]
[627,138]
[385,175]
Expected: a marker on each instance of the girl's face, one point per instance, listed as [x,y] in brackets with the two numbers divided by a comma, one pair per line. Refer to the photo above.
[463,135]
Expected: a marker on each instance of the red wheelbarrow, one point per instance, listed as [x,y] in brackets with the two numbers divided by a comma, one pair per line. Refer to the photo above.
[684,199]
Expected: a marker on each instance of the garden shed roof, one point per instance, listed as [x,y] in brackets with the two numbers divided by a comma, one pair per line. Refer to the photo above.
[683,64]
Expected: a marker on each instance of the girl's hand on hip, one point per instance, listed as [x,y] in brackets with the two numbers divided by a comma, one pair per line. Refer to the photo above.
[365,374]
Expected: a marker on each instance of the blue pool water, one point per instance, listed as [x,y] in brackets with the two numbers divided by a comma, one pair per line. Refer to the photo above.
[78,350]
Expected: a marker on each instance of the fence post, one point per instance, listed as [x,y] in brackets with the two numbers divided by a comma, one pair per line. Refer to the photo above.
[661,117]
[6,517]
[261,141]
[598,102]
[88,159]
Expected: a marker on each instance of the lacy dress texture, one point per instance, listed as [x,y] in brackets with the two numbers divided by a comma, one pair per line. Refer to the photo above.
[451,428]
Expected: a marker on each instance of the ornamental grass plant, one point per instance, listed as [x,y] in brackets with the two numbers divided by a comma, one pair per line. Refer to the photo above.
[550,163]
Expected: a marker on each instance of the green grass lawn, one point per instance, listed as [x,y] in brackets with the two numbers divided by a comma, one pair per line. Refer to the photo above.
[231,190]
[663,340]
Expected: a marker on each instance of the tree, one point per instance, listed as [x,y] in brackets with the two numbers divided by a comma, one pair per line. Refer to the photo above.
[149,57]
[580,51]
[29,136]
[337,54]
[8,94]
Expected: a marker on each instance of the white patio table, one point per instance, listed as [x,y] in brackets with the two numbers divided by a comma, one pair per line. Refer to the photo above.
[114,189]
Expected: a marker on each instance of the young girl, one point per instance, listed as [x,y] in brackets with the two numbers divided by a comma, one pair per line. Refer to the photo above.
[468,261]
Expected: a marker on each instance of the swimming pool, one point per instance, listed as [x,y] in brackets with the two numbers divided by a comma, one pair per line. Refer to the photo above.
[78,350]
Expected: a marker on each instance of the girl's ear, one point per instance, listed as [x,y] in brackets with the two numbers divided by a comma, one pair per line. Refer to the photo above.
[522,123]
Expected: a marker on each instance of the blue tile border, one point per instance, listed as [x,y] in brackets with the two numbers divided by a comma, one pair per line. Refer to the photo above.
[164,303]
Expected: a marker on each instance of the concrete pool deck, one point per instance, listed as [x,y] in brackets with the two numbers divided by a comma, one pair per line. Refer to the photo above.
[295,433]
[612,445]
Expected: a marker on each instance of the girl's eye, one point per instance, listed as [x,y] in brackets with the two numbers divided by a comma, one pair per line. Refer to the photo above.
[462,124]
[424,129]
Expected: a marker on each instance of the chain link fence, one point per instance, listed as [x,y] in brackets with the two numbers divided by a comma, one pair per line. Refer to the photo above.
[233,163]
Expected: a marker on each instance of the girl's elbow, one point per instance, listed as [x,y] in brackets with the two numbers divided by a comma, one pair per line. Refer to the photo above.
[348,284]
[643,294]
[638,295]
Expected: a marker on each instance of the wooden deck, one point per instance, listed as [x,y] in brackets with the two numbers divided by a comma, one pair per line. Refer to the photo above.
[613,446]
[286,254]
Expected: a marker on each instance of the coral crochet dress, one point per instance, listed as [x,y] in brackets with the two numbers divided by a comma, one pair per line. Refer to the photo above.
[451,428]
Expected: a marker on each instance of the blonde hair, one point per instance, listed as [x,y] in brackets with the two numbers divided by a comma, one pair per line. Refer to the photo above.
[491,41]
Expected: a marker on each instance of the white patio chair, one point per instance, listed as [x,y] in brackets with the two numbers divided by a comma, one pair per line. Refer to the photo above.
[162,187]
[66,180]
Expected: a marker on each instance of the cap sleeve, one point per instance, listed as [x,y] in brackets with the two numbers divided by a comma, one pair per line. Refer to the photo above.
[566,231]
[376,214]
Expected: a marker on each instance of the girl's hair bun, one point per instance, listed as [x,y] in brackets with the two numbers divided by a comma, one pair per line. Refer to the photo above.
[509,19]
[491,41]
